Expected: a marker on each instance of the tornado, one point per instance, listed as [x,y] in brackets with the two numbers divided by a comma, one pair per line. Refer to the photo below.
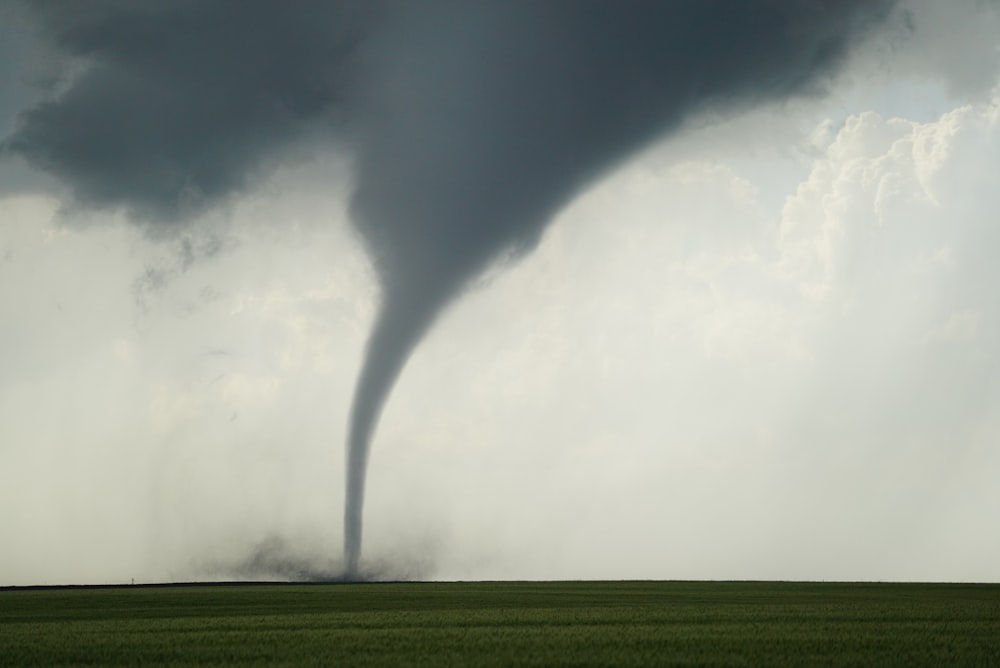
[469,123]
[483,119]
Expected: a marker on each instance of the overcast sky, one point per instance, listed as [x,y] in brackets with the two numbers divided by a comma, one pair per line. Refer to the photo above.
[766,346]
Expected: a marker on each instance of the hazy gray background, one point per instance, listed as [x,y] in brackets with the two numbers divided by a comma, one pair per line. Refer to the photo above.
[765,348]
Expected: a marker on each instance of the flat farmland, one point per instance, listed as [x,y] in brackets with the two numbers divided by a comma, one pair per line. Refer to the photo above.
[503,624]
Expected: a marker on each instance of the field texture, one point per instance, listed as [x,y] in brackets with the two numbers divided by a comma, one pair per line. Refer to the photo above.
[504,624]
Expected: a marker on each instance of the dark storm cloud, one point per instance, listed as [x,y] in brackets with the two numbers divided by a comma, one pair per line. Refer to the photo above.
[471,123]
[180,102]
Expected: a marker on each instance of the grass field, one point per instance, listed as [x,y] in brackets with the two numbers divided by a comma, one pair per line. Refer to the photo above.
[505,623]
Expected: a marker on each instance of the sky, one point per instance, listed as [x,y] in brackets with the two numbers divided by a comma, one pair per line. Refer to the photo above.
[755,344]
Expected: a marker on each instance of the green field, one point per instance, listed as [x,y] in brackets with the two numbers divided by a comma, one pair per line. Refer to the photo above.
[505,623]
